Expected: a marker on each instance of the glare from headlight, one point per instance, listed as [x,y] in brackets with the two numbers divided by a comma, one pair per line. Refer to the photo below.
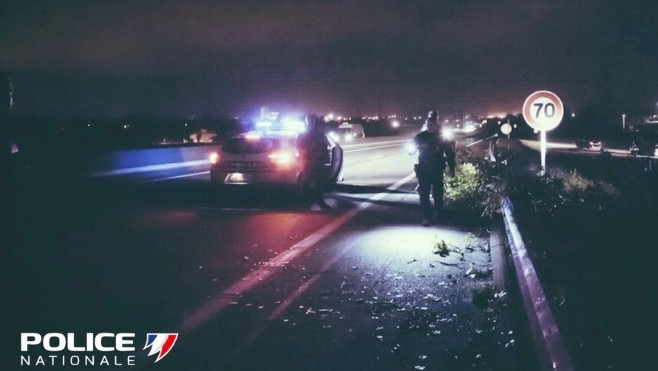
[214,158]
[448,134]
[411,148]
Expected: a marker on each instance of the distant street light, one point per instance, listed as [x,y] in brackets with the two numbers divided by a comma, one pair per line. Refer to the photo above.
[623,121]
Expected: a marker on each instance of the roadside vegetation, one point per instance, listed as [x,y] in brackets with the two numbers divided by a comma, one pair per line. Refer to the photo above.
[585,227]
[480,183]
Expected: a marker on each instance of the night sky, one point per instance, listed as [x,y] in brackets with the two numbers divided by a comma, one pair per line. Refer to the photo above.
[195,57]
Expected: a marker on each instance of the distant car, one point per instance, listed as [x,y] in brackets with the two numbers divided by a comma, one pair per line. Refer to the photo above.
[590,144]
[343,135]
[595,145]
[347,132]
[269,158]
[634,150]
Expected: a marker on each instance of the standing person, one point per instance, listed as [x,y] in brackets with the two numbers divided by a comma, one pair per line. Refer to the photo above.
[313,145]
[434,153]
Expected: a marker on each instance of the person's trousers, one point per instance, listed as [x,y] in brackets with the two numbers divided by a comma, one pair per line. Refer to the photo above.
[430,183]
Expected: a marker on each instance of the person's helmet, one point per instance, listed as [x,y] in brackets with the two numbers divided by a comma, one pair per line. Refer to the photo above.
[432,122]
[311,120]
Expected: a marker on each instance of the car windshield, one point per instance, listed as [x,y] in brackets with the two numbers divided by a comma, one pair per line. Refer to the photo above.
[251,146]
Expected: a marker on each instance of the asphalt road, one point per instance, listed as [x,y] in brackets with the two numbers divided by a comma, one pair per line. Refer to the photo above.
[255,280]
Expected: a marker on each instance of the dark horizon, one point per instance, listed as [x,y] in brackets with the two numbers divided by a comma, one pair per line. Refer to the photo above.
[196,58]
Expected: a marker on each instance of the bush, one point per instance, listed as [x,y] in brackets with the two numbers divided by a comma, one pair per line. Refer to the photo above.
[551,196]
[477,186]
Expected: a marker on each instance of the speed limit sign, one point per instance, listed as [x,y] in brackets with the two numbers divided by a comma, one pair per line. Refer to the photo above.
[543,110]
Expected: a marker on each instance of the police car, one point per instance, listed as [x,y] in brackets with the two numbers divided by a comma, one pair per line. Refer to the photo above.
[268,158]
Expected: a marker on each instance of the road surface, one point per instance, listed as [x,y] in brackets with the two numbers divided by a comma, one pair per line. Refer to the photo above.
[254,281]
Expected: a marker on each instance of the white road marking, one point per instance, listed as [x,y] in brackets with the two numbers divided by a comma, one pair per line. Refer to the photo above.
[373,147]
[255,278]
[257,332]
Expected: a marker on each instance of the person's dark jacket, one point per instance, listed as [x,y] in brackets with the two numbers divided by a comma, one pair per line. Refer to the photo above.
[434,153]
[313,149]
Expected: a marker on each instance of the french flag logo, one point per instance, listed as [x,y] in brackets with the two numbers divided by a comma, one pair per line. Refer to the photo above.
[160,343]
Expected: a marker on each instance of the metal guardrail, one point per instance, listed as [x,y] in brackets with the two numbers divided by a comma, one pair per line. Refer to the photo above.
[551,351]
[148,168]
[128,162]
[546,334]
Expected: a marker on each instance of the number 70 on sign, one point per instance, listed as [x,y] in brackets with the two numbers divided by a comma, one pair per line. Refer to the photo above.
[543,110]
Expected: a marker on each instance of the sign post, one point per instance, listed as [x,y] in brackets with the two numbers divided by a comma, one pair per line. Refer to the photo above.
[543,111]
[506,129]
